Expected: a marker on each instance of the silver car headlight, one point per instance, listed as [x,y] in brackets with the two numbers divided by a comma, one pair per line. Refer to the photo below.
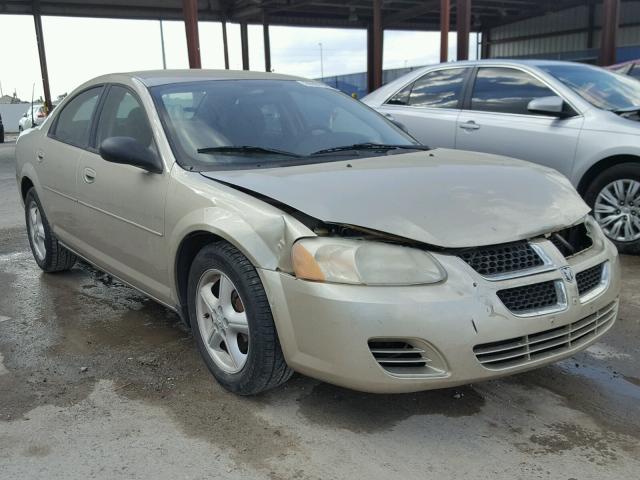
[360,262]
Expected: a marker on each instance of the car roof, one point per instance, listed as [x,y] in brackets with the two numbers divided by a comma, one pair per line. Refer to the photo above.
[507,61]
[152,78]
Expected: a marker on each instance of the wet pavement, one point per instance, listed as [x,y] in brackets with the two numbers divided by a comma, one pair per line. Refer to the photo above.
[97,381]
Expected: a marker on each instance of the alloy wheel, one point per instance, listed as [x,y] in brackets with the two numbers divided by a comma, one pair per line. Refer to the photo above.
[36,231]
[617,210]
[222,321]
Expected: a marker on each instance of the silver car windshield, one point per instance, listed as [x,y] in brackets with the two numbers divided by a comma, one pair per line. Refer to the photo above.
[604,89]
[243,123]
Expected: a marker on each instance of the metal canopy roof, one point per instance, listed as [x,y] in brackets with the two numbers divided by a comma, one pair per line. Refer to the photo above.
[397,14]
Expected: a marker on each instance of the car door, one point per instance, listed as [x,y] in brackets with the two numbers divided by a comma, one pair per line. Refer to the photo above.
[429,106]
[121,207]
[495,120]
[57,160]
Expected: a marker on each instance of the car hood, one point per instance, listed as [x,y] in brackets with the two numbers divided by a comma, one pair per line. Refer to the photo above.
[446,198]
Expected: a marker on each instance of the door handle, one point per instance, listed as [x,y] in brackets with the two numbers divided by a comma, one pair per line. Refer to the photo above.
[89,175]
[470,125]
[389,116]
[40,155]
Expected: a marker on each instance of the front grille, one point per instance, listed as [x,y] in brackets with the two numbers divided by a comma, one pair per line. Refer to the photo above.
[502,259]
[529,348]
[572,240]
[530,297]
[589,279]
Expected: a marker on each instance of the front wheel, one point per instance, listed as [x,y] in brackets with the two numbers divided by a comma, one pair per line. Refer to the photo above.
[47,251]
[614,197]
[232,322]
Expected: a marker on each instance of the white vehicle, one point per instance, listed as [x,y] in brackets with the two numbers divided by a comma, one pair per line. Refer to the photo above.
[33,117]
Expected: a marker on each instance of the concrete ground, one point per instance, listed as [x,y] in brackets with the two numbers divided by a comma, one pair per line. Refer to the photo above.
[98,382]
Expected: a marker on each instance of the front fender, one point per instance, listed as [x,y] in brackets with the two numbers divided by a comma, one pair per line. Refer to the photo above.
[262,232]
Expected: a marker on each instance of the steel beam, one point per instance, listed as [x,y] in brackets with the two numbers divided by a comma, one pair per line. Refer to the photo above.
[411,13]
[267,43]
[225,45]
[244,40]
[376,43]
[610,20]
[190,11]
[370,59]
[463,27]
[43,57]
[445,22]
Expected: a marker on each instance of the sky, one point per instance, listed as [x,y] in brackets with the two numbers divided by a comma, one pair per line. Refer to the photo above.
[79,49]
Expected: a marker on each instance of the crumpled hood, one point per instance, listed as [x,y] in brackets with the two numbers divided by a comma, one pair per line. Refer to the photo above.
[446,198]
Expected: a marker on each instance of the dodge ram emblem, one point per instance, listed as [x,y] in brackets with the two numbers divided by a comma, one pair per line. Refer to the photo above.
[567,273]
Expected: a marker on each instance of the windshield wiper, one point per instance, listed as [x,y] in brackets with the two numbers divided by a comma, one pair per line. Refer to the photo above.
[370,146]
[246,149]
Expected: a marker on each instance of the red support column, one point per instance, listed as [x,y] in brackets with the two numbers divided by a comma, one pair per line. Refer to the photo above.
[463,22]
[190,11]
[376,42]
[225,45]
[43,57]
[267,43]
[445,21]
[244,40]
[610,19]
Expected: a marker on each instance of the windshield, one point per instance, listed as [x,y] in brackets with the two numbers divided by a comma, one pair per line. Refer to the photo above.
[604,89]
[282,121]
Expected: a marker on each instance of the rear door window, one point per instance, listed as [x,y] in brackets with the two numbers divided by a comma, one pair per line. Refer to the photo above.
[438,89]
[74,122]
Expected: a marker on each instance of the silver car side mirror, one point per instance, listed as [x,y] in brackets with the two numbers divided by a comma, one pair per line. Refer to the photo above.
[553,106]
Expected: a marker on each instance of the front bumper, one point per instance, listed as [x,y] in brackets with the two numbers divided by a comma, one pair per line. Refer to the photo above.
[325,329]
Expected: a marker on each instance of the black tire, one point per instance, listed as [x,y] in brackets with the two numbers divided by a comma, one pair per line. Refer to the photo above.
[617,172]
[57,258]
[265,367]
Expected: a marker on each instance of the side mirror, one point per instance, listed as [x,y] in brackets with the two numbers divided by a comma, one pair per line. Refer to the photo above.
[553,106]
[129,151]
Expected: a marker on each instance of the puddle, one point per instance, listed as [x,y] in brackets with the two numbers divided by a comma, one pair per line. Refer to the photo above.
[609,398]
[598,447]
[359,412]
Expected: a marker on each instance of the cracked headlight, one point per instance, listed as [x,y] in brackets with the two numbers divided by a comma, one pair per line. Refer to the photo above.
[360,262]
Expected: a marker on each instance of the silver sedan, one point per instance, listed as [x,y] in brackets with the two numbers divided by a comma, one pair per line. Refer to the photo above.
[578,119]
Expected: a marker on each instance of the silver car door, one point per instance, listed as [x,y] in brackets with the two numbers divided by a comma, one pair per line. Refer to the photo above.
[57,160]
[429,106]
[121,207]
[497,120]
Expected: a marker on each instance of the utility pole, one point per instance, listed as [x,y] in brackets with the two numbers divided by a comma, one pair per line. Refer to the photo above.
[321,62]
[164,58]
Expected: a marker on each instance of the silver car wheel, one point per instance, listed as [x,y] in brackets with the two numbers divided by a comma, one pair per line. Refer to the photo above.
[36,231]
[222,321]
[617,210]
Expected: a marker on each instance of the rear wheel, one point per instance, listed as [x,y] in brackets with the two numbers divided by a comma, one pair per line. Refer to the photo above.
[615,198]
[47,251]
[232,322]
